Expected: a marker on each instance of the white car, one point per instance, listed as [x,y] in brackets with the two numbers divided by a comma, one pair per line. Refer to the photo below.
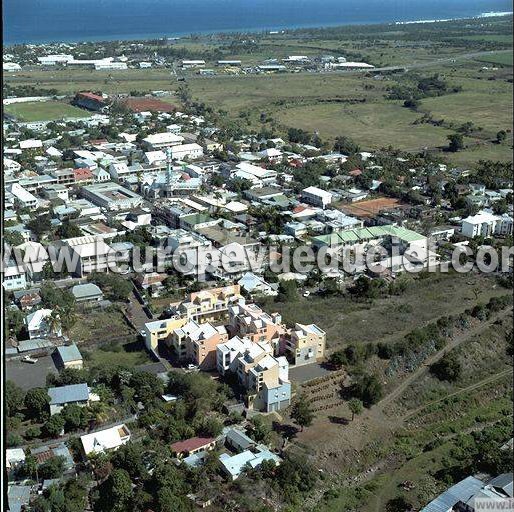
[192,367]
[28,359]
[306,293]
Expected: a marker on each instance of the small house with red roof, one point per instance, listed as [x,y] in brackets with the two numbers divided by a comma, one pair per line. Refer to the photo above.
[194,445]
[83,175]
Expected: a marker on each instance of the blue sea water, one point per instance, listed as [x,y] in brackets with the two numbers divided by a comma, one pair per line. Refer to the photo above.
[40,21]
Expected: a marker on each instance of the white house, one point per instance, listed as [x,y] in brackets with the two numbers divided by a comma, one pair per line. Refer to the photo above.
[105,440]
[317,197]
[37,324]
[22,196]
[162,140]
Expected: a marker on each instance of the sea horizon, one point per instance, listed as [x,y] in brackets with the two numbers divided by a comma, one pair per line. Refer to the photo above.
[65,28]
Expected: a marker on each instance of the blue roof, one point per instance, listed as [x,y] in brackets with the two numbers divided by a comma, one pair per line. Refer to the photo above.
[69,353]
[17,496]
[239,438]
[66,394]
[461,491]
[195,460]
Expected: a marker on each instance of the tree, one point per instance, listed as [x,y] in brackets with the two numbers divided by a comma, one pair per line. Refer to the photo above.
[355,406]
[456,142]
[36,402]
[447,368]
[302,412]
[346,146]
[368,389]
[260,429]
[398,504]
[68,230]
[74,416]
[338,359]
[287,291]
[52,468]
[54,426]
[14,396]
[501,136]
[116,492]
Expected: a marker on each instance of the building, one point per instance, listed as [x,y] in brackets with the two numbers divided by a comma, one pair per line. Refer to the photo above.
[78,394]
[191,446]
[486,224]
[90,101]
[193,64]
[52,60]
[69,356]
[473,494]
[105,440]
[111,196]
[250,321]
[234,465]
[197,343]
[38,324]
[162,140]
[257,285]
[22,197]
[263,376]
[14,277]
[87,292]
[305,344]
[86,254]
[317,197]
[186,151]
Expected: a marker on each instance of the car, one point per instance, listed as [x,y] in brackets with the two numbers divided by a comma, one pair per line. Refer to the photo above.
[192,367]
[306,293]
[28,359]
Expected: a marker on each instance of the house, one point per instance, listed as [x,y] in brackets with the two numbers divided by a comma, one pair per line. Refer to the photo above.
[18,497]
[88,292]
[111,196]
[233,466]
[14,458]
[237,440]
[257,285]
[295,229]
[64,395]
[47,452]
[27,299]
[468,494]
[38,324]
[22,197]
[316,196]
[14,277]
[69,356]
[105,440]
[191,446]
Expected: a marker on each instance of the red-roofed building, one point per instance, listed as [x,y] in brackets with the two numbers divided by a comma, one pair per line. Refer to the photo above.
[300,208]
[193,445]
[83,175]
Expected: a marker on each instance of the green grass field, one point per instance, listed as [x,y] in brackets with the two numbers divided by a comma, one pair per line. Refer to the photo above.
[44,111]
[503,59]
[126,355]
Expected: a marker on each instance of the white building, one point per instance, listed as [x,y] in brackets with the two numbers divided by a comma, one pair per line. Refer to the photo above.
[52,60]
[162,140]
[14,277]
[23,198]
[486,224]
[11,66]
[37,324]
[184,151]
[317,196]
[105,440]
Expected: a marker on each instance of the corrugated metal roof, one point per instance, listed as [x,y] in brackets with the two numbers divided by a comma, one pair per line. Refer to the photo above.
[66,394]
[461,491]
[69,353]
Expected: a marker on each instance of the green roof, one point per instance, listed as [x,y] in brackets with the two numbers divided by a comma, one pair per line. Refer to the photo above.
[361,234]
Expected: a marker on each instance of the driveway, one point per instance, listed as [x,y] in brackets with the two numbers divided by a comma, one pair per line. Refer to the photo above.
[27,375]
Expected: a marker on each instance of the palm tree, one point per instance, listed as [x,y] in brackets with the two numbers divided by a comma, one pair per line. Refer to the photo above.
[54,322]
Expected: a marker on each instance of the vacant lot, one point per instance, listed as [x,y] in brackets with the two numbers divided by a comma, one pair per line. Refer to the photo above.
[129,354]
[348,322]
[44,111]
[370,207]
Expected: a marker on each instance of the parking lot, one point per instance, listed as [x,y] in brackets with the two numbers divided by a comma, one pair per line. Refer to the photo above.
[308,372]
[27,375]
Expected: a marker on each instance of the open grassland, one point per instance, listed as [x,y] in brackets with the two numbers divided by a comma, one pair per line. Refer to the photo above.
[503,59]
[348,322]
[130,355]
[44,111]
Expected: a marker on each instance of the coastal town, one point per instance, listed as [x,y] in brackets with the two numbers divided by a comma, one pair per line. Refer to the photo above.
[176,296]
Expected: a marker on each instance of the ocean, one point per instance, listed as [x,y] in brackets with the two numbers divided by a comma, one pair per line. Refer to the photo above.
[44,21]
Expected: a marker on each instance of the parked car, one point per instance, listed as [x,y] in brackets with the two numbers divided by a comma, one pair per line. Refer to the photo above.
[28,359]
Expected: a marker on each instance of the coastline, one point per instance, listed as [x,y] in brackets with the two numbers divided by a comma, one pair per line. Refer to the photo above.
[249,31]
